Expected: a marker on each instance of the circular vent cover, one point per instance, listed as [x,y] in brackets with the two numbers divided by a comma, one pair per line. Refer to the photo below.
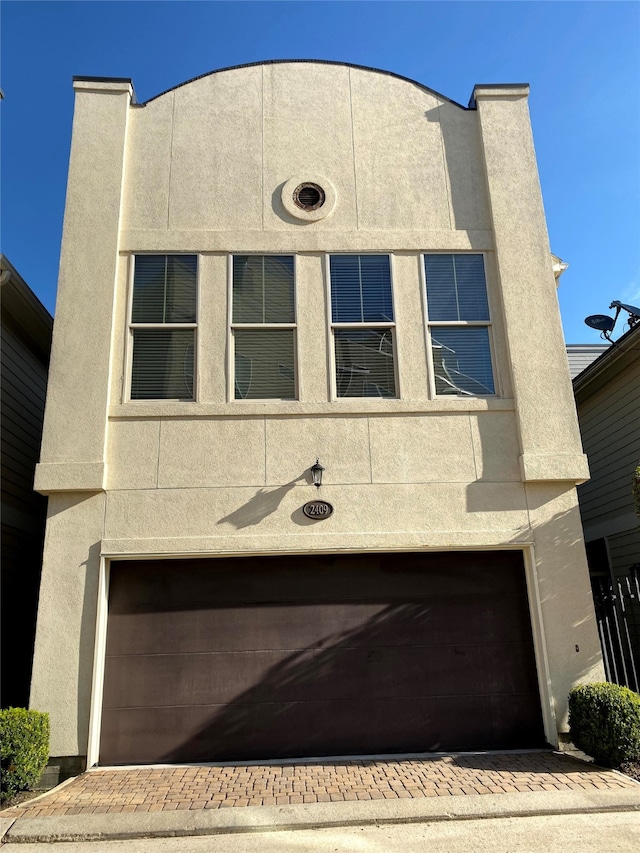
[309,197]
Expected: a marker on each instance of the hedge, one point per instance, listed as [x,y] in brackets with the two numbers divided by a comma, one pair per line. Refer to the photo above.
[24,750]
[604,722]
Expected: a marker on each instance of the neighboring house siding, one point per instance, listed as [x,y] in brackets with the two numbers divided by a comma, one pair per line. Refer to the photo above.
[624,551]
[608,401]
[610,427]
[24,384]
[26,339]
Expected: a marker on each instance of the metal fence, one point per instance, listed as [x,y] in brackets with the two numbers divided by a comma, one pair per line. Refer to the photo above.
[617,604]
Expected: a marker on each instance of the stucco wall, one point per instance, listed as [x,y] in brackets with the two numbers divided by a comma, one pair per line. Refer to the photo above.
[200,169]
[212,155]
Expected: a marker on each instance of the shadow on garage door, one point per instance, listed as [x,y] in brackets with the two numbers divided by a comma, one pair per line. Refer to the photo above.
[273,657]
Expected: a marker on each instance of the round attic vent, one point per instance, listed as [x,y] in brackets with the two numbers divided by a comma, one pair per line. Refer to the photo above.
[309,196]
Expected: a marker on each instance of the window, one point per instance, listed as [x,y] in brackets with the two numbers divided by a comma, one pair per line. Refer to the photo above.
[459,325]
[163,327]
[363,326]
[263,327]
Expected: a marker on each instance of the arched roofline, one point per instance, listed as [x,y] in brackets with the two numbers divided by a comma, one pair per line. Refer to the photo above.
[310,62]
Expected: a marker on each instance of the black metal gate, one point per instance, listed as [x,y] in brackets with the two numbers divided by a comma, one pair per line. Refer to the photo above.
[617,604]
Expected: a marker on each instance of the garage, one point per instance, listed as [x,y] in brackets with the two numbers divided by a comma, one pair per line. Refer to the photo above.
[272,657]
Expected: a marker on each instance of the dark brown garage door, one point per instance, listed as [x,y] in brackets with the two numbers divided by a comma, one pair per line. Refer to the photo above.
[269,657]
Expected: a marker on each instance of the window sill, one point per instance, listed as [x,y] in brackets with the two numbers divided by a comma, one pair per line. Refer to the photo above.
[298,408]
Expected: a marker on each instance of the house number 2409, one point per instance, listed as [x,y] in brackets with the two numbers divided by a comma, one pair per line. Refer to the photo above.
[317,509]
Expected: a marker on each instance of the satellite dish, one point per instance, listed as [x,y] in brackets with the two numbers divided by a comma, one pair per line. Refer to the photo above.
[605,324]
[602,322]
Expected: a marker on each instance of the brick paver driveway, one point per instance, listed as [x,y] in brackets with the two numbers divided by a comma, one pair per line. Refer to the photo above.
[149,789]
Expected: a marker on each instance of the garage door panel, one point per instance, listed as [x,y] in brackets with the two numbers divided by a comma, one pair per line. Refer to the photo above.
[323,655]
[401,577]
[510,718]
[305,675]
[289,626]
[291,730]
[238,628]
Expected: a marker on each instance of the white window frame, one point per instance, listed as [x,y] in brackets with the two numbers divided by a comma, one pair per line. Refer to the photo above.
[332,327]
[429,324]
[131,326]
[232,326]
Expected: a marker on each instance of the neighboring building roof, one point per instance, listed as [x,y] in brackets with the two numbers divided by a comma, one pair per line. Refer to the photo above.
[21,303]
[581,355]
[613,359]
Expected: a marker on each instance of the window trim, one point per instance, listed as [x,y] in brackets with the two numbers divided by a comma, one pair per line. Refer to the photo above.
[429,324]
[331,327]
[128,361]
[231,349]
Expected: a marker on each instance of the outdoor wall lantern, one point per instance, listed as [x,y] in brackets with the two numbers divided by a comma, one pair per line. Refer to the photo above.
[316,473]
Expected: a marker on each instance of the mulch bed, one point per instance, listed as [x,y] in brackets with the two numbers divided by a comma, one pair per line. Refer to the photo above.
[631,768]
[20,798]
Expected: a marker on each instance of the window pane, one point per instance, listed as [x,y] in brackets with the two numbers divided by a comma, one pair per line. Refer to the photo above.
[364,363]
[361,289]
[472,289]
[456,287]
[462,361]
[441,291]
[180,306]
[163,364]
[164,289]
[263,289]
[264,364]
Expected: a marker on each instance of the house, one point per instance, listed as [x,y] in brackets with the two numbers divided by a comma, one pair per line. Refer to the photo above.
[26,343]
[607,396]
[581,355]
[275,264]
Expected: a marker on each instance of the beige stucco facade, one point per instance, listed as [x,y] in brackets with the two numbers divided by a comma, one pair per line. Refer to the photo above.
[200,169]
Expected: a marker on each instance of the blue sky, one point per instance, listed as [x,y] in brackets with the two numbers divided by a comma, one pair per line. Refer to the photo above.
[582,60]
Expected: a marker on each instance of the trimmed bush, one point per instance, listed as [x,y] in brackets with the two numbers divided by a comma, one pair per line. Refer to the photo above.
[24,750]
[604,722]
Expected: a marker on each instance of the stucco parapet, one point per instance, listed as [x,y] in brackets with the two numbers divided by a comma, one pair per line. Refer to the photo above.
[317,62]
[312,237]
[537,467]
[296,409]
[495,91]
[69,477]
[453,540]
[105,85]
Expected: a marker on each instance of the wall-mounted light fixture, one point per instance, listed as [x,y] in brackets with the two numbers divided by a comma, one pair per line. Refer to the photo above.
[316,473]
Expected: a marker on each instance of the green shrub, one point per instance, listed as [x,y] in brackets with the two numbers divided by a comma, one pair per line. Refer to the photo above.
[604,720]
[24,750]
